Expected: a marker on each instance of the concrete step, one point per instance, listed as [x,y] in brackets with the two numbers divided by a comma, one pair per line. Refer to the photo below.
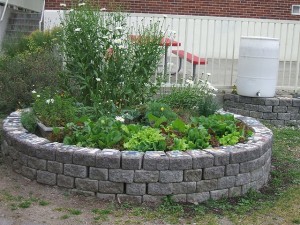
[24,15]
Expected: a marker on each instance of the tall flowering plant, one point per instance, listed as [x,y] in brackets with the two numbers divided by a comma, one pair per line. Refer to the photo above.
[104,67]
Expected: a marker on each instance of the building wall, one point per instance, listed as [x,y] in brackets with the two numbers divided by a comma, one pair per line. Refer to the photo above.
[262,9]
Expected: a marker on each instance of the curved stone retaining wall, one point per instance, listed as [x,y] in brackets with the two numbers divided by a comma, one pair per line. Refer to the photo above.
[279,111]
[131,176]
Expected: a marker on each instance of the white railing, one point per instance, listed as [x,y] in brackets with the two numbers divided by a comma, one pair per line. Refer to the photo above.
[4,11]
[217,40]
[42,16]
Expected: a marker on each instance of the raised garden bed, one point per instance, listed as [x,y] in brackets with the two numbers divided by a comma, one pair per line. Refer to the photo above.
[136,177]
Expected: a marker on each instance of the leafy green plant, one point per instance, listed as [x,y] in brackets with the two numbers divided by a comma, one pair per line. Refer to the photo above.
[160,110]
[28,120]
[145,140]
[197,96]
[104,67]
[54,110]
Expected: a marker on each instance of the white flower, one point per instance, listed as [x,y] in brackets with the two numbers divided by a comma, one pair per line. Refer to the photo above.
[118,41]
[77,29]
[189,81]
[48,101]
[122,47]
[120,118]
[105,37]
[165,16]
[98,79]
[208,74]
[62,5]
[81,4]
[38,96]
[33,92]
[103,9]
[119,28]
[71,10]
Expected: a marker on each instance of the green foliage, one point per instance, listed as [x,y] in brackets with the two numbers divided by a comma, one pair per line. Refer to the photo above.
[28,120]
[53,109]
[160,110]
[31,63]
[145,140]
[106,132]
[199,97]
[104,67]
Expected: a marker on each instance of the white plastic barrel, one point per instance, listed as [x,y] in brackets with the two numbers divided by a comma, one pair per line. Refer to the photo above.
[258,66]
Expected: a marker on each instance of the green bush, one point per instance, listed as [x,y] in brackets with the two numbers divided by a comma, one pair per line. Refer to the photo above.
[159,109]
[24,69]
[28,120]
[104,67]
[54,110]
[199,97]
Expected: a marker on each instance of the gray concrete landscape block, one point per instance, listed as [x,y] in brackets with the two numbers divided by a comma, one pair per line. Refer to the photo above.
[36,163]
[160,189]
[28,172]
[207,185]
[192,175]
[269,116]
[75,170]
[108,158]
[131,199]
[156,160]
[197,197]
[265,109]
[201,159]
[65,181]
[280,109]
[98,173]
[249,166]
[232,169]
[235,192]
[170,176]
[55,167]
[284,116]
[85,156]
[146,176]
[226,182]
[184,187]
[109,187]
[285,101]
[106,197]
[46,177]
[256,114]
[65,154]
[86,184]
[136,189]
[244,153]
[218,194]
[180,198]
[119,175]
[296,102]
[152,200]
[251,107]
[132,160]
[48,151]
[242,179]
[213,172]
[257,174]
[221,157]
[272,101]
[180,160]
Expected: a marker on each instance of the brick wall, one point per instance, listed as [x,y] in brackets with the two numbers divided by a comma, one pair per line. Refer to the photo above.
[263,9]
